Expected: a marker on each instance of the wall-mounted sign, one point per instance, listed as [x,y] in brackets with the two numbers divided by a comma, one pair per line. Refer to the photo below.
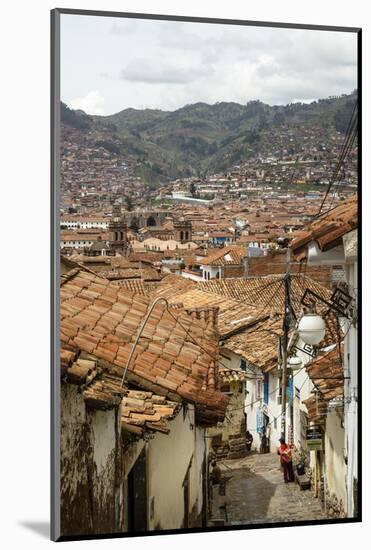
[314,439]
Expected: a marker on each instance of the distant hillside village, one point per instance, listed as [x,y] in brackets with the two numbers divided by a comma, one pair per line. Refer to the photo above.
[223,152]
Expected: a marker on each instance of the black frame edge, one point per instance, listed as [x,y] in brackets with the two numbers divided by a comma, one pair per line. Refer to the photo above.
[54,262]
[195,19]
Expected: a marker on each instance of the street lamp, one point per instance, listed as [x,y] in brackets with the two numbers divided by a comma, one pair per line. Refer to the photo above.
[294,362]
[312,328]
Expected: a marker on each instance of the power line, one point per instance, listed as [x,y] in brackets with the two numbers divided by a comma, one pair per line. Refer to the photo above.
[339,184]
[348,143]
[269,394]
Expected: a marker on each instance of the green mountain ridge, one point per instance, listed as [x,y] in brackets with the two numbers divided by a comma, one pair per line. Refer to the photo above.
[200,138]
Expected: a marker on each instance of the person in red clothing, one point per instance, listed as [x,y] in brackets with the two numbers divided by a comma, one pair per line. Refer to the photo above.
[285,453]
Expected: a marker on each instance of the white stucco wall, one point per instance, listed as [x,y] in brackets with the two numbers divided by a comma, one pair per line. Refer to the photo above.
[210,272]
[169,457]
[196,474]
[335,466]
[351,394]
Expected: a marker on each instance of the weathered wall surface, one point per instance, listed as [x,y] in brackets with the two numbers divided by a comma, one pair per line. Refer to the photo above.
[169,457]
[235,417]
[230,271]
[90,469]
[197,481]
[335,467]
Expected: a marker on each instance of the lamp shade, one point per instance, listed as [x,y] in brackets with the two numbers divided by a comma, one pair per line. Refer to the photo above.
[294,362]
[312,328]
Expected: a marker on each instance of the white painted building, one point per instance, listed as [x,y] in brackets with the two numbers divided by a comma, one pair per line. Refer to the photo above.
[346,254]
[76,222]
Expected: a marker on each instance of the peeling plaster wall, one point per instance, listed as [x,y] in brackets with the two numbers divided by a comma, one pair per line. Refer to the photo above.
[90,468]
[105,468]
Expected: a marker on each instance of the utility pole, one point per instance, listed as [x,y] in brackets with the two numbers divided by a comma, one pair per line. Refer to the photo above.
[285,338]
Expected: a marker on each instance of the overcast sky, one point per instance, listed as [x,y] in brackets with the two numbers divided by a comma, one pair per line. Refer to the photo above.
[110,64]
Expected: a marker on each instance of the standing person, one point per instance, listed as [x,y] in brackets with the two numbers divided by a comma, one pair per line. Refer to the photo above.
[285,453]
[249,440]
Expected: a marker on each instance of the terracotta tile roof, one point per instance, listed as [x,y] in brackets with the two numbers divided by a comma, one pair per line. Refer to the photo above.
[104,392]
[171,285]
[233,375]
[146,274]
[180,362]
[143,410]
[119,261]
[133,285]
[229,255]
[258,344]
[328,230]
[117,274]
[94,260]
[317,409]
[326,373]
[149,257]
[267,292]
[140,410]
[232,314]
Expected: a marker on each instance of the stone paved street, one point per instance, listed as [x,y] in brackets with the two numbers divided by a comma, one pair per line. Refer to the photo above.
[256,493]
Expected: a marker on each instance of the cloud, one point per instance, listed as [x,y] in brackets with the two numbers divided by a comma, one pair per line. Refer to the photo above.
[123,27]
[92,103]
[167,64]
[141,70]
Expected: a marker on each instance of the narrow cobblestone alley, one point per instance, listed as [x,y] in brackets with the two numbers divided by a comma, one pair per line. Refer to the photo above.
[256,493]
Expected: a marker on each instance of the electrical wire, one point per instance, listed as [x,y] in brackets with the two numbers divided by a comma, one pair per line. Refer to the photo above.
[339,184]
[347,145]
[269,394]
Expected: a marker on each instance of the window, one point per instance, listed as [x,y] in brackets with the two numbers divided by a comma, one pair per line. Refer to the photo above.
[243,365]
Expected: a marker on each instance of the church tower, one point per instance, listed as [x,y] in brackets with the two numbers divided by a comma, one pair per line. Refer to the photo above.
[183,230]
[117,231]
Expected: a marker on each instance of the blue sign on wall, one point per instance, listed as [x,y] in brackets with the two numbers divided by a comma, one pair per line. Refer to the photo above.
[266,388]
[290,389]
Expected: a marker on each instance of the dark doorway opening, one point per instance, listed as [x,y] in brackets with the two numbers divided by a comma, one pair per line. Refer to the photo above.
[137,496]
[151,222]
